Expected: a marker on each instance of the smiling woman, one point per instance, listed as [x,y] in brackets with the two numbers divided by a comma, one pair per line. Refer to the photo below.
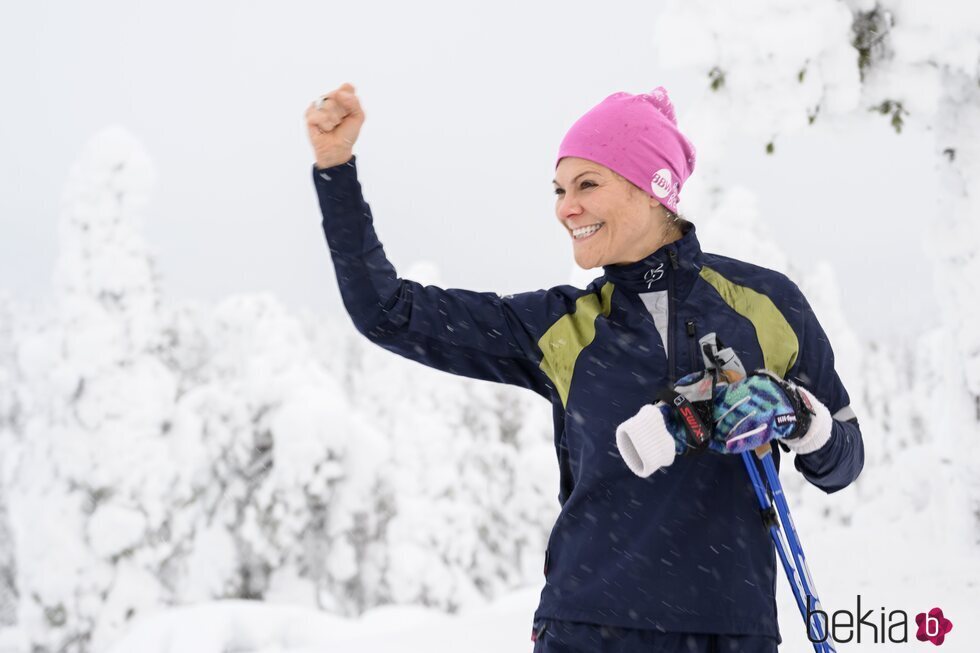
[618,175]
[609,218]
[676,559]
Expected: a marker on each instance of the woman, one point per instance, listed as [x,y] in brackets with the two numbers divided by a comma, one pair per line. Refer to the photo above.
[674,560]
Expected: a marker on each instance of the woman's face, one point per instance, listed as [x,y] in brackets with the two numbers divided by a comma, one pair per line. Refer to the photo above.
[608,219]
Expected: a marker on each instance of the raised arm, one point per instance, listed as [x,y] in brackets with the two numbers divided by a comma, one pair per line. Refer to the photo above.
[475,334]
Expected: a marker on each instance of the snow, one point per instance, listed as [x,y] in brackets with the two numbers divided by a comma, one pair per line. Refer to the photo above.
[251,626]
[179,476]
[113,529]
[173,453]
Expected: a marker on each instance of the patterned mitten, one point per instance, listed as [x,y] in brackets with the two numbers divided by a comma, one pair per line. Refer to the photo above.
[762,407]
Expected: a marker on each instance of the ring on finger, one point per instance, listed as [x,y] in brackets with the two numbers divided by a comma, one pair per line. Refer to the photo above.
[318,103]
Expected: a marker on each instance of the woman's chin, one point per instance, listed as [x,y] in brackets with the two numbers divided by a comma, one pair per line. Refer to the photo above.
[587,260]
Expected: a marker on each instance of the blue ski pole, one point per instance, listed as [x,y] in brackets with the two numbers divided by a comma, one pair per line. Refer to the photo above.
[794,562]
[724,363]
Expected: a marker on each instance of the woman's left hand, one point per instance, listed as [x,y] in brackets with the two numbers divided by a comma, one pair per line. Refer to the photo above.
[762,407]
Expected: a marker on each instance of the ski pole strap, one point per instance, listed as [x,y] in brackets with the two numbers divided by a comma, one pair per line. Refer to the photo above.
[802,409]
[697,428]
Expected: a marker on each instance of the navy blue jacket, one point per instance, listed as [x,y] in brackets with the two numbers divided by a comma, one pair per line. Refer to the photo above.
[684,549]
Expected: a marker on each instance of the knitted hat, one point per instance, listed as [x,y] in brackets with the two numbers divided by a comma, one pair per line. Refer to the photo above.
[636,136]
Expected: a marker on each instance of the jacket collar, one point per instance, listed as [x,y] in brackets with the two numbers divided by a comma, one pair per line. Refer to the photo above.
[652,272]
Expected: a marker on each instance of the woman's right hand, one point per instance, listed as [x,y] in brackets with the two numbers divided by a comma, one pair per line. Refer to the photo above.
[334,127]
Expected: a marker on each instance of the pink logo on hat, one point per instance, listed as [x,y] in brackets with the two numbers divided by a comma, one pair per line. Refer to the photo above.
[660,184]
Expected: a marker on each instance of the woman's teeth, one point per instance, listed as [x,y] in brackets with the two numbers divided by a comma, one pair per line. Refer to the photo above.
[585,232]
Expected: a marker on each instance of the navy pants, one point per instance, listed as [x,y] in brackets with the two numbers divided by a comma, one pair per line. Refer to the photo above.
[555,636]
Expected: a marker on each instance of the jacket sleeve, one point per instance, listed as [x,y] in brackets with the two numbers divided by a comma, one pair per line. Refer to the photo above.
[475,334]
[836,464]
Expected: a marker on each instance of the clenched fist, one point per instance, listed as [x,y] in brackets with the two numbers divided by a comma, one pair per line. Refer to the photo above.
[334,127]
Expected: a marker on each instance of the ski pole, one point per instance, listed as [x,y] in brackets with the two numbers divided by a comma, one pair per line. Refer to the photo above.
[797,571]
[771,520]
[724,363]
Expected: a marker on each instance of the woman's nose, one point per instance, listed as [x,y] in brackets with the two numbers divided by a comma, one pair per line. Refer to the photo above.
[568,207]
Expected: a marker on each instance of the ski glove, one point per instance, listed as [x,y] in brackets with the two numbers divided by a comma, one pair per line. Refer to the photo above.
[701,413]
[762,407]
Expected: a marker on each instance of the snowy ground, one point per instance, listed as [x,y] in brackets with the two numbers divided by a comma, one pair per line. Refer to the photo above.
[891,579]
[255,627]
[904,552]
[895,559]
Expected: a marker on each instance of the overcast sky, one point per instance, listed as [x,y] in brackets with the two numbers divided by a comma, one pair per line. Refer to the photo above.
[466,105]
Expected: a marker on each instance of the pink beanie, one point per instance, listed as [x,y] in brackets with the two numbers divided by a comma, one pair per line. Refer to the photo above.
[636,136]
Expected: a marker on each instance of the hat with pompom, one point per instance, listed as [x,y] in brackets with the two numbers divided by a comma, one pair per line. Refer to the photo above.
[637,137]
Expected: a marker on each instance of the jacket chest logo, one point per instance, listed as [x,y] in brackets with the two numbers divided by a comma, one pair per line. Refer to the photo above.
[653,274]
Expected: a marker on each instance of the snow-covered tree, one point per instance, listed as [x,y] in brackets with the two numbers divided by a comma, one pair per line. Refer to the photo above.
[771,69]
[160,453]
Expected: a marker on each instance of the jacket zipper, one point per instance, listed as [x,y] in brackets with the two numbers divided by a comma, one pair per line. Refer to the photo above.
[691,342]
[673,317]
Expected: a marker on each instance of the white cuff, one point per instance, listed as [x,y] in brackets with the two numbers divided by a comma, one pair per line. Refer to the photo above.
[644,441]
[821,427]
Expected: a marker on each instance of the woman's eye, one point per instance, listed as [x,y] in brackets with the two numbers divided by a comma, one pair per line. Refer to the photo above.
[583,186]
